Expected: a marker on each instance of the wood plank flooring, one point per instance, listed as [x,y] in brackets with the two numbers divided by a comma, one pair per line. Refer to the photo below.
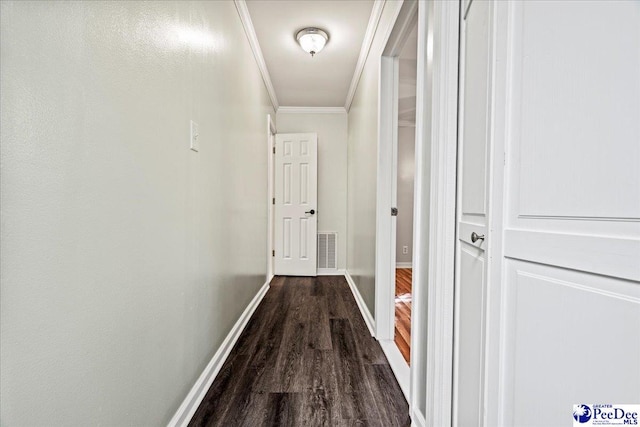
[305,358]
[403,311]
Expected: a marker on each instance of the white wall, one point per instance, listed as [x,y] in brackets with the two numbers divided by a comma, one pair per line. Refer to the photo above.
[362,166]
[406,171]
[332,169]
[126,257]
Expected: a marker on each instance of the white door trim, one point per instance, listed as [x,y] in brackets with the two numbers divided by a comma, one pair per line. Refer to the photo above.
[434,208]
[385,224]
[434,212]
[386,176]
[271,143]
[386,191]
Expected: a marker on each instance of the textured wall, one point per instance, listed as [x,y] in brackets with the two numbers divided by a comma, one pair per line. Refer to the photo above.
[362,166]
[126,257]
[332,169]
[406,168]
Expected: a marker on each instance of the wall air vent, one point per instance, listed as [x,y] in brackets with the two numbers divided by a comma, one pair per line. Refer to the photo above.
[328,250]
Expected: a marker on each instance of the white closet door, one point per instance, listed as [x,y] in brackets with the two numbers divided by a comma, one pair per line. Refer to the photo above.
[296,185]
[472,213]
[567,311]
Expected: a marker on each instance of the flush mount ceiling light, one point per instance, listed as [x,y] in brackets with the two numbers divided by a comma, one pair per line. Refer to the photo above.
[312,40]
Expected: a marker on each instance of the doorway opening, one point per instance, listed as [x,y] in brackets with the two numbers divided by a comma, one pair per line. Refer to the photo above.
[404,183]
[398,96]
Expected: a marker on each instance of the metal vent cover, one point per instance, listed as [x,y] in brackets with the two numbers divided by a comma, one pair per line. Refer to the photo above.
[328,250]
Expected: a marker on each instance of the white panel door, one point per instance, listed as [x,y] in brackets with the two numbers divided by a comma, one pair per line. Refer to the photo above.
[296,194]
[568,306]
[472,213]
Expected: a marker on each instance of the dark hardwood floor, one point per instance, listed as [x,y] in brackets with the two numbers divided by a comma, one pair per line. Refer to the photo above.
[403,311]
[305,358]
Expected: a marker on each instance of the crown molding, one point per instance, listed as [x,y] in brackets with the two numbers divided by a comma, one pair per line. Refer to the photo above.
[374,19]
[243,12]
[312,110]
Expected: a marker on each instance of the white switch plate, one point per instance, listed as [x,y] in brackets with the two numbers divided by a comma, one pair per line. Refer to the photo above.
[195,136]
[405,250]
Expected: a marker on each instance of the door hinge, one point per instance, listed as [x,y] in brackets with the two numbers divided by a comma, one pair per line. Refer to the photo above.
[274,150]
[394,211]
[273,253]
[273,201]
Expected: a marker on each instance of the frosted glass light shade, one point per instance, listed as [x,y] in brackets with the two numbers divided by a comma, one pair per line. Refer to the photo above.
[312,40]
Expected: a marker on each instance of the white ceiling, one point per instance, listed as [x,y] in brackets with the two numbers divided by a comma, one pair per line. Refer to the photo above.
[298,79]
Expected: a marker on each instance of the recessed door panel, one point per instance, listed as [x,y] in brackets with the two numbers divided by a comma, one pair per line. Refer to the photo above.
[286,186]
[304,183]
[471,286]
[475,108]
[577,331]
[286,238]
[304,237]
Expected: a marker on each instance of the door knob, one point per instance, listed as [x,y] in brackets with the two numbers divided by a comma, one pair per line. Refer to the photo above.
[475,237]
[311,212]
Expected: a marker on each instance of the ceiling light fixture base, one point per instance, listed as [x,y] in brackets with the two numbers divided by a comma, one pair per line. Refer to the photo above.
[312,40]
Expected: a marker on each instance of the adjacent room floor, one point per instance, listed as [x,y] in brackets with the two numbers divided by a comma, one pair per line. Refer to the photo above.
[306,358]
[403,312]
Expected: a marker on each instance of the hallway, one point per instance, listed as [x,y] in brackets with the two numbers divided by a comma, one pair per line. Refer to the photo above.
[154,180]
[306,357]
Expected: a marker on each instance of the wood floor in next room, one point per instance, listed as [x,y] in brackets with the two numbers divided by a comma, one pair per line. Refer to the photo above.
[306,358]
[403,311]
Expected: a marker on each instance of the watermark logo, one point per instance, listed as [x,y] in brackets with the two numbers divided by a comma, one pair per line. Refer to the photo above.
[605,415]
[581,413]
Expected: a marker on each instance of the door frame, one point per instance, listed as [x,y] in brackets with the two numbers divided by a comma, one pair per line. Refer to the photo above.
[438,110]
[434,211]
[386,192]
[271,143]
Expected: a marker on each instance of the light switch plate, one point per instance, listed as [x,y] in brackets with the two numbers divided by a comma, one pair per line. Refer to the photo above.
[195,136]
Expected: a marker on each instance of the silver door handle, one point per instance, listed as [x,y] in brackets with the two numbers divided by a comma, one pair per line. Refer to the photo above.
[475,237]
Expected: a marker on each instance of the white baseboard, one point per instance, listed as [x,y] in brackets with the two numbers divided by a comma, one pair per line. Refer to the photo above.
[190,404]
[398,365]
[330,272]
[404,265]
[368,318]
